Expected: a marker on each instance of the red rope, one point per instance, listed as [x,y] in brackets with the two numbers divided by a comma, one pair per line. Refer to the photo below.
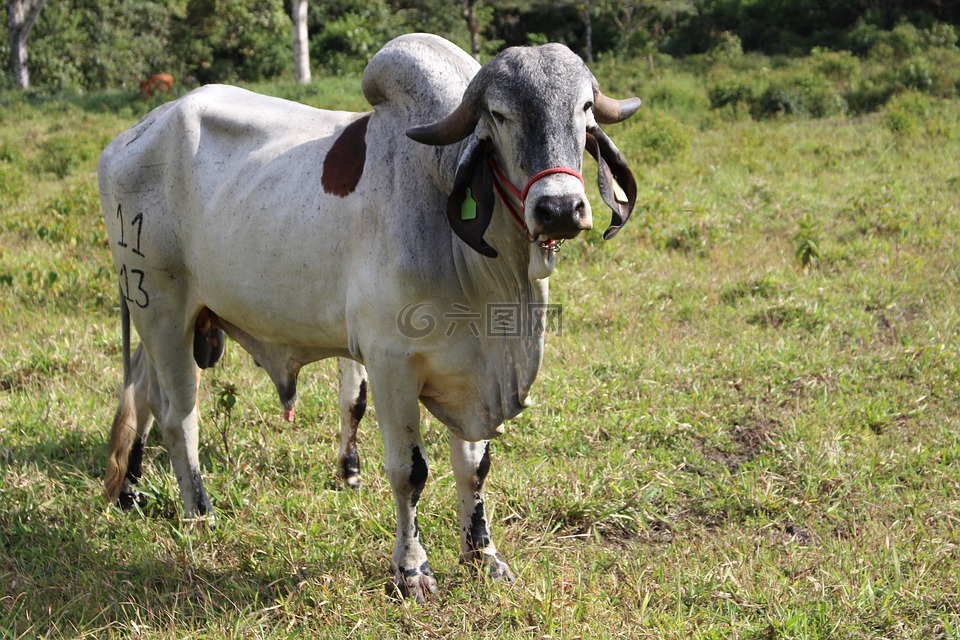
[502,181]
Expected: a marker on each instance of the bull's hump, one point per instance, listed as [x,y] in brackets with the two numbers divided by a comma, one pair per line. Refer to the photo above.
[420,73]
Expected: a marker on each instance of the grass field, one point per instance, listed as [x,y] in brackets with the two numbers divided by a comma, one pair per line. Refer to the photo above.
[747,428]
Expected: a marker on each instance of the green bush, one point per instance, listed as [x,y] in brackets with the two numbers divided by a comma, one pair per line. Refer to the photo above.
[868,96]
[799,94]
[230,40]
[676,93]
[732,91]
[915,74]
[660,136]
[348,39]
[840,67]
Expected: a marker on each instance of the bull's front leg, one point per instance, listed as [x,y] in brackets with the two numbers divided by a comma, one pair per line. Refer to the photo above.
[405,460]
[471,463]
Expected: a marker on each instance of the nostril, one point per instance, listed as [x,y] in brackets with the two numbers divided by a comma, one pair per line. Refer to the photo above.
[544,211]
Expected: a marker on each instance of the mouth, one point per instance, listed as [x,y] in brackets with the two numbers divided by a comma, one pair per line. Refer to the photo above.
[550,245]
[551,241]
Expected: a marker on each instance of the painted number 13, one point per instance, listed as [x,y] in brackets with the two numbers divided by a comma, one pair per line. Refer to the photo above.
[138,297]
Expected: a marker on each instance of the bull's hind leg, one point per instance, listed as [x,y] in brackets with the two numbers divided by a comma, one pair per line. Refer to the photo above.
[353,404]
[179,378]
[166,329]
[471,462]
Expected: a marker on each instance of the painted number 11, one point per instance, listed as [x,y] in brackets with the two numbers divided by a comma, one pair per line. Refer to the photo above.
[135,224]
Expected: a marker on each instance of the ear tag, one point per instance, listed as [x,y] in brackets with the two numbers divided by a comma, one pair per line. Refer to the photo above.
[619,194]
[469,209]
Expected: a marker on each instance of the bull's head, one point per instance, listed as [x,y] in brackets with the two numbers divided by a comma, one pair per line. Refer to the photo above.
[534,110]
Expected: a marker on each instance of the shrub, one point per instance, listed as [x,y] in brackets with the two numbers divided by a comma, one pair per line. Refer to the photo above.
[727,49]
[841,67]
[941,35]
[661,136]
[731,91]
[348,37]
[868,96]
[676,93]
[904,39]
[228,40]
[915,74]
[862,38]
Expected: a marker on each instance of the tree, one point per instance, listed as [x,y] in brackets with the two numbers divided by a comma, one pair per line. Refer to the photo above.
[301,43]
[473,24]
[588,27]
[21,16]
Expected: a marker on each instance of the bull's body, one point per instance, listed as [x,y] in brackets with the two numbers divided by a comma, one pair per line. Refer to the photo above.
[306,234]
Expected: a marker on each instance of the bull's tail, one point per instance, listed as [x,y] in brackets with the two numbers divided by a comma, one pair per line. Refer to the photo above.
[123,433]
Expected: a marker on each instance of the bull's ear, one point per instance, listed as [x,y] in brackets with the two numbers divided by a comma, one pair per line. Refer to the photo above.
[470,206]
[617,185]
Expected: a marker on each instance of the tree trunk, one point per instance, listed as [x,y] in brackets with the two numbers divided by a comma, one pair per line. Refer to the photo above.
[470,15]
[21,16]
[588,24]
[301,49]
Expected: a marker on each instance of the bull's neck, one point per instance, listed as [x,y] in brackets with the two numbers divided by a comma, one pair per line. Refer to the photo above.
[505,279]
[511,305]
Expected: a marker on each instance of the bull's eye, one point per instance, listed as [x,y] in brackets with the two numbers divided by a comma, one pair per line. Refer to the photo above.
[588,105]
[498,117]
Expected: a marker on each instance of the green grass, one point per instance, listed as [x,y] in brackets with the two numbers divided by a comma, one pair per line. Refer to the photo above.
[727,443]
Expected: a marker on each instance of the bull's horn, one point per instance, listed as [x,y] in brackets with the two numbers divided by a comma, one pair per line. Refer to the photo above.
[453,128]
[608,110]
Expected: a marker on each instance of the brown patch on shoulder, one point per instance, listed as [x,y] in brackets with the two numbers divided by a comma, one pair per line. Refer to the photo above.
[343,166]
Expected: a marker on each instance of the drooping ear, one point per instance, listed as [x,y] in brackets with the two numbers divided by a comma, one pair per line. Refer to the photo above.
[617,185]
[470,206]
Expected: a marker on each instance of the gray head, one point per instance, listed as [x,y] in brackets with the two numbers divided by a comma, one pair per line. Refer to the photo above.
[534,109]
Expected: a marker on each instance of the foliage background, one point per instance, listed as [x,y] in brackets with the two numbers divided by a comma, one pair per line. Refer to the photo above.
[89,44]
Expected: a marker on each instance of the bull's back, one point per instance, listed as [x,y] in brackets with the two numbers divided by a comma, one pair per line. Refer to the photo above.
[223,188]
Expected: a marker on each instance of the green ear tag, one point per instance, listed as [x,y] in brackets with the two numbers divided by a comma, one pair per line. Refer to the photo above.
[469,209]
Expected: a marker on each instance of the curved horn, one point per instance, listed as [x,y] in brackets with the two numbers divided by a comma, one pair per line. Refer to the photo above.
[453,128]
[608,110]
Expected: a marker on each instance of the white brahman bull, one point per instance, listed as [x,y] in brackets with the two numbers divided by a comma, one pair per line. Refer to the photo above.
[305,234]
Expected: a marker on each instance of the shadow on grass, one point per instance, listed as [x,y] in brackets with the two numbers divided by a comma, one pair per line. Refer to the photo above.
[71,566]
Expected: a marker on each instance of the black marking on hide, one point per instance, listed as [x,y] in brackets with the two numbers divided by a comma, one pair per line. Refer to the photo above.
[483,468]
[350,465]
[418,476]
[478,537]
[359,407]
[423,569]
[200,494]
[343,166]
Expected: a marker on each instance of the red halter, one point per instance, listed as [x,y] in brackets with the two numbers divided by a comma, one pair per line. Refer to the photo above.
[502,182]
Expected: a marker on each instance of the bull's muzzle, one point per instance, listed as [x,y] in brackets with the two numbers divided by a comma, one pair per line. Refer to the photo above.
[561,217]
